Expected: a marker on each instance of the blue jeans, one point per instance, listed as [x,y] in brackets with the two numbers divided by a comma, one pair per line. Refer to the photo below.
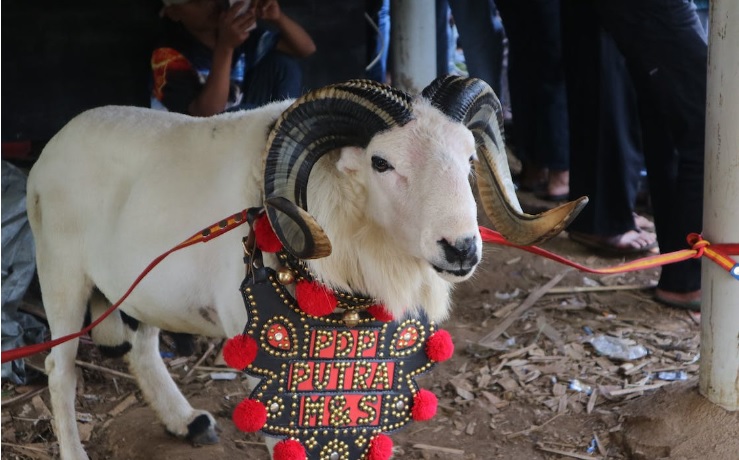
[481,38]
[378,43]
[276,77]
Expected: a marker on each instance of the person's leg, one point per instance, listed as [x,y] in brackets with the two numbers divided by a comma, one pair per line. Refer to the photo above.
[665,47]
[581,57]
[520,83]
[601,122]
[552,131]
[442,38]
[481,43]
[276,77]
[378,39]
[620,141]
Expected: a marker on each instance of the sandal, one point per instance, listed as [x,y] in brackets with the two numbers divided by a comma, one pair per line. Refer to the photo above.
[682,300]
[631,242]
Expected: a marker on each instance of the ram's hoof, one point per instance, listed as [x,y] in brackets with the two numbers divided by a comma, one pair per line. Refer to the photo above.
[201,431]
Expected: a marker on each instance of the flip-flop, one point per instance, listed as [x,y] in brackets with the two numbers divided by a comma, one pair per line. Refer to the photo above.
[608,244]
[691,305]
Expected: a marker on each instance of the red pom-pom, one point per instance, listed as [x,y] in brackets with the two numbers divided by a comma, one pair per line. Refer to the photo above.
[439,346]
[240,351]
[267,240]
[289,449]
[314,298]
[381,448]
[250,415]
[424,405]
[380,313]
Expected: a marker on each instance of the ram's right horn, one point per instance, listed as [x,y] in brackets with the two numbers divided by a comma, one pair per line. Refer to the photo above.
[472,102]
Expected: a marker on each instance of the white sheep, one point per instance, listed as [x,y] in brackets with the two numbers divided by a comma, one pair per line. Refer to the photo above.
[388,211]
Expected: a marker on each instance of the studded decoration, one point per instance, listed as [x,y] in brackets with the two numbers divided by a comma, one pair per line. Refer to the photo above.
[330,389]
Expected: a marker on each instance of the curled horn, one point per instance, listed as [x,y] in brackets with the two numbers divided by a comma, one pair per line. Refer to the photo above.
[345,114]
[472,102]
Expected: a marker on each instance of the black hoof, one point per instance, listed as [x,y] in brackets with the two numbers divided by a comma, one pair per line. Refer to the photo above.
[201,431]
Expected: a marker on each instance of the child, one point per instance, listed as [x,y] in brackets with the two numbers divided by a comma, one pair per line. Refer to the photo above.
[213,58]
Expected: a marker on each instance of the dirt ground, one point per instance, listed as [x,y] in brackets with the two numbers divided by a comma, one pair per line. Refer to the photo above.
[525,383]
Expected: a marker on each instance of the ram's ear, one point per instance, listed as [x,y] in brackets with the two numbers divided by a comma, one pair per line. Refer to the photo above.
[350,160]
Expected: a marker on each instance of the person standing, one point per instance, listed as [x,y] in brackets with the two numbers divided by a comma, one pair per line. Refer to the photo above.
[665,50]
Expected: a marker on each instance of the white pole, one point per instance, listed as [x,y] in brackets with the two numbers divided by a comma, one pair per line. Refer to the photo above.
[414,44]
[719,364]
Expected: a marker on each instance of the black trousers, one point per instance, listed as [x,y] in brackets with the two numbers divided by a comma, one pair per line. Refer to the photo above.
[665,52]
[536,82]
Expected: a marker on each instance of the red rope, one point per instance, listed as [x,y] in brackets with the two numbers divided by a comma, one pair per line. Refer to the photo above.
[203,236]
[719,253]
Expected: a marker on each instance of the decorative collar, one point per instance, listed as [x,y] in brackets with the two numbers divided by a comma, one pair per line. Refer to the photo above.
[313,297]
[346,300]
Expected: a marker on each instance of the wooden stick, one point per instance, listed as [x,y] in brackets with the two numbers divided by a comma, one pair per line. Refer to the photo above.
[23,397]
[95,367]
[576,289]
[601,447]
[446,450]
[520,310]
[27,447]
[627,391]
[532,429]
[211,347]
[565,453]
[215,369]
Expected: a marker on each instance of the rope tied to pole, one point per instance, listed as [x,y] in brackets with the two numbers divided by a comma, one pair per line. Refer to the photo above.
[699,247]
[719,253]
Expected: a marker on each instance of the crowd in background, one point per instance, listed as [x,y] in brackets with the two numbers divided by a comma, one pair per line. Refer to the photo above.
[605,99]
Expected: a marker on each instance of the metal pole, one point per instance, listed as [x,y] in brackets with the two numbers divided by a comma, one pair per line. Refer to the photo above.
[719,364]
[414,44]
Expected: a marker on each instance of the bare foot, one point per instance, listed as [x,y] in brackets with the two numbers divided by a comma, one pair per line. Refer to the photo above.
[643,223]
[559,183]
[631,242]
[635,239]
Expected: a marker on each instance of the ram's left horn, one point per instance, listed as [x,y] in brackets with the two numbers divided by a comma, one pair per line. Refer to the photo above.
[345,114]
[472,102]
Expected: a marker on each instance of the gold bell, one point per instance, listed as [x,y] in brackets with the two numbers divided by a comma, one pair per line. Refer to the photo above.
[285,276]
[351,318]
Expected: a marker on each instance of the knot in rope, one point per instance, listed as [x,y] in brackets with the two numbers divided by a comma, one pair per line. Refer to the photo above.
[696,242]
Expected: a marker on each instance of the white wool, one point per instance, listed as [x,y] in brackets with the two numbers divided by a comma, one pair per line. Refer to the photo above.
[118,186]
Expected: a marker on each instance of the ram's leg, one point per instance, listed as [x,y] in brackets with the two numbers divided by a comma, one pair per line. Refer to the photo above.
[65,297]
[161,392]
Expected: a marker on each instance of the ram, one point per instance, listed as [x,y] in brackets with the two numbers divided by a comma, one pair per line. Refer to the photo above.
[369,186]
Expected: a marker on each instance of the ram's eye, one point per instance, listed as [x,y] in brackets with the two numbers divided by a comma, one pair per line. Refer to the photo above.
[379,164]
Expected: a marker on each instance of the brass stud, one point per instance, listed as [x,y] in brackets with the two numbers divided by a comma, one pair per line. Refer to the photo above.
[351,318]
[285,276]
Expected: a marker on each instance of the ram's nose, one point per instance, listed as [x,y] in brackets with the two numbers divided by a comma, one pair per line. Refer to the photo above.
[462,253]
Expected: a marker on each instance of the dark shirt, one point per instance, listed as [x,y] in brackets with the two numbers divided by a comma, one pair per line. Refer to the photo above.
[181,64]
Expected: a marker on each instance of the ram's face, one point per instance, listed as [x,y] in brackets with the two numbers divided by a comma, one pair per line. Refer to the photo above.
[418,187]
[415,170]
